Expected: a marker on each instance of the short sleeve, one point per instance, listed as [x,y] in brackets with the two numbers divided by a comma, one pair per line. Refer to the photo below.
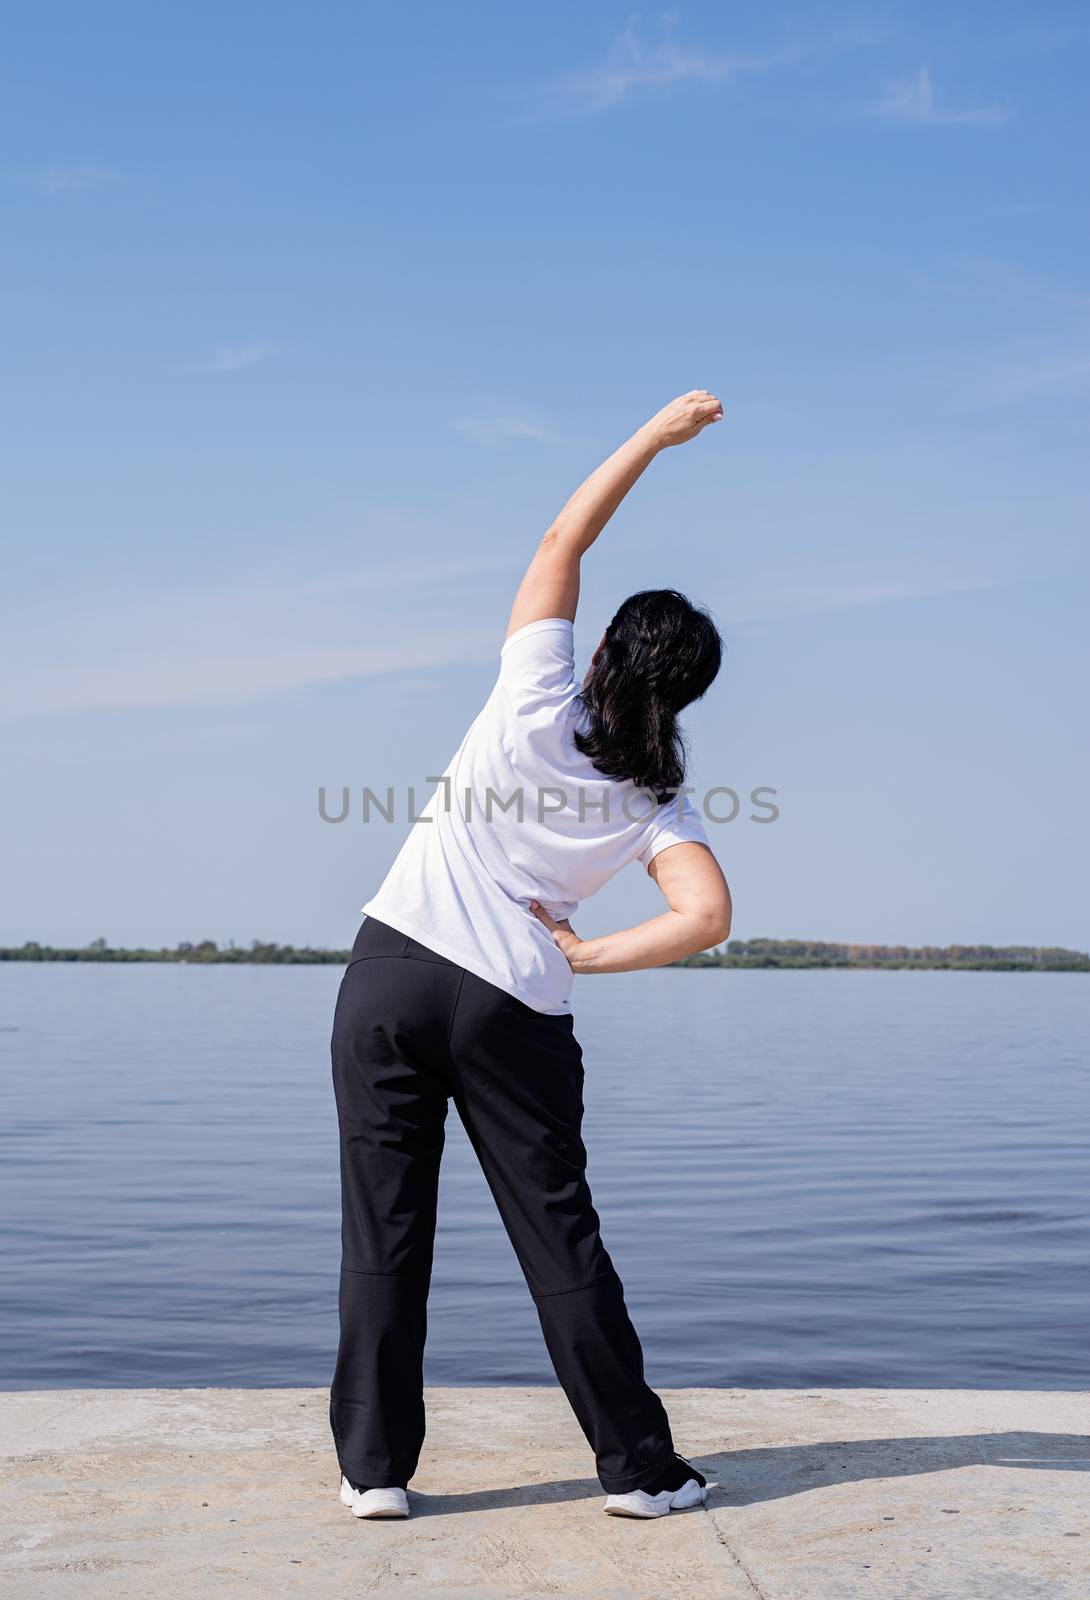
[540,657]
[676,822]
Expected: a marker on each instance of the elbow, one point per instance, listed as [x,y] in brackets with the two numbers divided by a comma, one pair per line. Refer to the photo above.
[715,921]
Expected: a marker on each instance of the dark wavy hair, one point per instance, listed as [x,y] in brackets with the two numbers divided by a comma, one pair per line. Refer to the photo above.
[659,654]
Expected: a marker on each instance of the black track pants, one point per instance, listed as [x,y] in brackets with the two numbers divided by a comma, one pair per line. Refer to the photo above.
[411,1031]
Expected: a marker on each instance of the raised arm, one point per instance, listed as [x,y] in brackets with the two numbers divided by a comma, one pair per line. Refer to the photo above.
[551,585]
[699,915]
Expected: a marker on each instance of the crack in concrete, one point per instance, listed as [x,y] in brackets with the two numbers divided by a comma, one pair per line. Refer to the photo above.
[759,1592]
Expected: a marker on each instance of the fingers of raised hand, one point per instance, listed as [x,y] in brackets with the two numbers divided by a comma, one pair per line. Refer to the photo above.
[701,407]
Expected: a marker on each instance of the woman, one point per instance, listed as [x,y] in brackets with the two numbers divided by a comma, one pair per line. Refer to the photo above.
[459,988]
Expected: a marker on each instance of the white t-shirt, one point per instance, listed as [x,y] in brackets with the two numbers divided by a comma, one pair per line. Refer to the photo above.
[521,815]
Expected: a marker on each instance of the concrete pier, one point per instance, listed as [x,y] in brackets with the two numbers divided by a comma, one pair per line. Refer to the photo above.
[822,1495]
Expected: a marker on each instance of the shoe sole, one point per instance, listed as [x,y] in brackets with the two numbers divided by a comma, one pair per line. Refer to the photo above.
[690,1494]
[385,1514]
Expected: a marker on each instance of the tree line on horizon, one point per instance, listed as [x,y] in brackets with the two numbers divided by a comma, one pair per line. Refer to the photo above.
[964,957]
[736,953]
[259,953]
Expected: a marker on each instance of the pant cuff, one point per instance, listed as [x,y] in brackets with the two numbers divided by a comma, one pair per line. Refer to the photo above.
[375,1480]
[636,1480]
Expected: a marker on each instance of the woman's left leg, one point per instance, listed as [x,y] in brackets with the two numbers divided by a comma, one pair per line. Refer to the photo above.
[518,1087]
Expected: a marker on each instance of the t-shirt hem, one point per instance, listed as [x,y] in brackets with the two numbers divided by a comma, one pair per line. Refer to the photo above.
[402,924]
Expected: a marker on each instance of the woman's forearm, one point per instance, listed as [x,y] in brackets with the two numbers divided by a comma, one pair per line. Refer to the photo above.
[550,587]
[654,943]
[586,513]
[588,510]
[699,915]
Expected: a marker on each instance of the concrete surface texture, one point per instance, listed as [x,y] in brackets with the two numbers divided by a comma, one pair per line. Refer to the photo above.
[827,1495]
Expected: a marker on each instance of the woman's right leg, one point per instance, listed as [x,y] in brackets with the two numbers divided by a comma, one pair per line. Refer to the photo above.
[389,1040]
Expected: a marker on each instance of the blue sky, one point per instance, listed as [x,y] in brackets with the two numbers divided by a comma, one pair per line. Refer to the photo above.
[314,315]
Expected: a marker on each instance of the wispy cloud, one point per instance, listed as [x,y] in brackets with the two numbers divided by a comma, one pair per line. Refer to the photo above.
[1050,375]
[635,66]
[233,357]
[491,430]
[913,100]
[1043,350]
[227,678]
[141,644]
[1002,283]
[71,180]
[783,602]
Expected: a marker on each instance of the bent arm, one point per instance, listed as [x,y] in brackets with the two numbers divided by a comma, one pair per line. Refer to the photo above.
[699,915]
[551,585]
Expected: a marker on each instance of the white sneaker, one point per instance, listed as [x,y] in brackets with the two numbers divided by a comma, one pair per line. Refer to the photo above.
[638,1503]
[375,1503]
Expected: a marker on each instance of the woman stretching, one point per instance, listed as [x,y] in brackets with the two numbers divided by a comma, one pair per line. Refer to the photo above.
[459,986]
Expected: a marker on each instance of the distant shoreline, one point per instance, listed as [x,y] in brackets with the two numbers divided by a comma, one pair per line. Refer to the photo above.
[752,953]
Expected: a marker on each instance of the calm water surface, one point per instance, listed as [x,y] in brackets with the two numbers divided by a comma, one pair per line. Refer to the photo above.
[804,1178]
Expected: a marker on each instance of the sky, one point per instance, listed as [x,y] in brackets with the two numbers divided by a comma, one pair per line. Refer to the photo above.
[314,315]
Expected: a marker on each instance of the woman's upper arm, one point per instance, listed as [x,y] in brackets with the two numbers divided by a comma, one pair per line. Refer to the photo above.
[692,883]
[550,587]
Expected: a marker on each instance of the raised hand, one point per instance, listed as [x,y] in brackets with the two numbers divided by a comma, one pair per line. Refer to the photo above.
[684,418]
